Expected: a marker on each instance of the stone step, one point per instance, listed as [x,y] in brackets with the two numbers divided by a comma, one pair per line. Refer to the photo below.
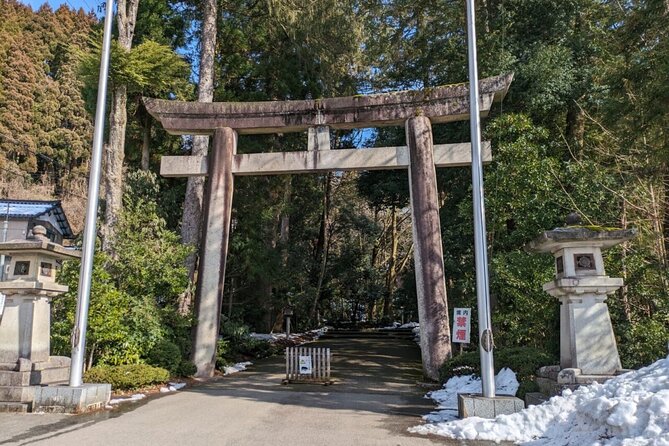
[534,398]
[51,376]
[17,394]
[12,378]
[14,407]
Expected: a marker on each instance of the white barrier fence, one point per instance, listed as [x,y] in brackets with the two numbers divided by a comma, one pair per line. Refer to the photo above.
[308,364]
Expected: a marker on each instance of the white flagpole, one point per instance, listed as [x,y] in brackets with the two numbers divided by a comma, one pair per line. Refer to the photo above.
[86,271]
[482,288]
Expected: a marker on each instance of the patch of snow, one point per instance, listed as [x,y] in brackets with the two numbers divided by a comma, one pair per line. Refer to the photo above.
[416,334]
[447,398]
[173,387]
[271,337]
[229,370]
[299,338]
[391,327]
[177,386]
[399,325]
[318,332]
[132,399]
[628,410]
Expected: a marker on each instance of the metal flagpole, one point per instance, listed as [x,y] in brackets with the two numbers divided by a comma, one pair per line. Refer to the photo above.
[482,289]
[84,292]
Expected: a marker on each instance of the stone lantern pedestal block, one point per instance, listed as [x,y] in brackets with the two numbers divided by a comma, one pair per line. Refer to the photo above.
[475,405]
[587,342]
[30,378]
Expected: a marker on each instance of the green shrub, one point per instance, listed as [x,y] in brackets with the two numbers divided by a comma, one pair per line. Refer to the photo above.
[255,348]
[187,368]
[524,361]
[165,354]
[644,342]
[223,354]
[235,332]
[127,377]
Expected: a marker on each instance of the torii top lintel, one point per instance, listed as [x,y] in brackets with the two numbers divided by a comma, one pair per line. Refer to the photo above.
[441,104]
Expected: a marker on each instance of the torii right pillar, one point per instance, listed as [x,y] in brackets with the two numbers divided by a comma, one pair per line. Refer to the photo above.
[435,336]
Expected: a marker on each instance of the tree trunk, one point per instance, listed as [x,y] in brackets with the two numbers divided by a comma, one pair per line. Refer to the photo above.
[323,245]
[118,117]
[284,234]
[192,210]
[391,274]
[146,142]
[665,215]
[625,248]
[659,239]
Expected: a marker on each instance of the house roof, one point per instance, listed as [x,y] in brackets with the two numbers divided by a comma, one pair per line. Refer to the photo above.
[25,209]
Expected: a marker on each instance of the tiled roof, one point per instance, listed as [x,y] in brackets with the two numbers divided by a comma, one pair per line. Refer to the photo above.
[34,208]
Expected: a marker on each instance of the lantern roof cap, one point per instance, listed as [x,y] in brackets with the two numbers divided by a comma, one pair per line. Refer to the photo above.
[38,243]
[595,236]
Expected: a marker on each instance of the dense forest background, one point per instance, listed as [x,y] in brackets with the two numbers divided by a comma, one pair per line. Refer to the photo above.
[583,128]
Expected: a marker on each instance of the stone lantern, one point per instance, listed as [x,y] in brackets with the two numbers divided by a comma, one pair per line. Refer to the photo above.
[287,314]
[587,342]
[25,319]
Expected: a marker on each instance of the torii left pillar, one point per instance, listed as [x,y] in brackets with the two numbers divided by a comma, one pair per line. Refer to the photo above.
[213,250]
[435,336]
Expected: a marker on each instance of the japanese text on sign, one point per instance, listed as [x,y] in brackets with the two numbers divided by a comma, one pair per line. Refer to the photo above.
[305,365]
[461,324]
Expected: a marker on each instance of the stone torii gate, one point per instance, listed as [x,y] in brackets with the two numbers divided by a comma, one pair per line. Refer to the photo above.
[416,110]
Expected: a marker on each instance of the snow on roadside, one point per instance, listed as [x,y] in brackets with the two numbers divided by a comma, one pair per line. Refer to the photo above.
[628,410]
[130,399]
[416,334]
[447,398]
[299,338]
[229,370]
[172,387]
[397,325]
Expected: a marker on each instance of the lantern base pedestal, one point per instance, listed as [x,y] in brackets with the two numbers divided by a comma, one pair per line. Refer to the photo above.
[476,405]
[27,386]
[66,399]
[552,380]
[56,370]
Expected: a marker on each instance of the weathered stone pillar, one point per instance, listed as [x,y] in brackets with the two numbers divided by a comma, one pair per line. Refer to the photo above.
[435,336]
[213,250]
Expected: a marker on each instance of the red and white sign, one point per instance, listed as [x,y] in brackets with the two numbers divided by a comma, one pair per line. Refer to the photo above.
[461,324]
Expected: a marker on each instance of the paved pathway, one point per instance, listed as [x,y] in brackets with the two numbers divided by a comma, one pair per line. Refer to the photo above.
[374,401]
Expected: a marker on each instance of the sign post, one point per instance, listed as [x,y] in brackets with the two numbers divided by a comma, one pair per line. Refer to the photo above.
[461,325]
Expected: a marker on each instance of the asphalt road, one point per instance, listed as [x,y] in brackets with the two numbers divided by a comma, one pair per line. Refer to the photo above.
[374,400]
